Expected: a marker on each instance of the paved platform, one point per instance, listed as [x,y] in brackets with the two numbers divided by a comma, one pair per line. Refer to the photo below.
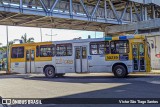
[95,85]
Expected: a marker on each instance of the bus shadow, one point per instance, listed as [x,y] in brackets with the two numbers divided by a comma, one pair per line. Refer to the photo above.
[132,90]
[78,79]
[88,79]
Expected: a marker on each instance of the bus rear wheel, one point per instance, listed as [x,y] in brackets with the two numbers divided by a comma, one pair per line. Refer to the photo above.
[49,72]
[120,71]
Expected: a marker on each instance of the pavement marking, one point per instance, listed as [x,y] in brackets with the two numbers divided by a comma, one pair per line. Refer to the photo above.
[155,82]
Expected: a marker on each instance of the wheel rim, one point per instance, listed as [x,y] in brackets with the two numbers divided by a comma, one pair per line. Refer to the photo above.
[50,72]
[119,71]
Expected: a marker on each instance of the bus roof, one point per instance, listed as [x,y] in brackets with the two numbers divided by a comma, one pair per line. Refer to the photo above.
[125,37]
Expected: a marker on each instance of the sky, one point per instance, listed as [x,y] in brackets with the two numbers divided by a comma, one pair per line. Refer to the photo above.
[62,34]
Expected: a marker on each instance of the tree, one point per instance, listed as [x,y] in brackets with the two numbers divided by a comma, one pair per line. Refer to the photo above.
[25,40]
[3,49]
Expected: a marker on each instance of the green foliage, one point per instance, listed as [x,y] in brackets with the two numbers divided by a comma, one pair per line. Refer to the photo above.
[25,40]
[3,49]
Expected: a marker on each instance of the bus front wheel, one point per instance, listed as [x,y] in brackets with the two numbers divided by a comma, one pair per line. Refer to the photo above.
[49,72]
[120,71]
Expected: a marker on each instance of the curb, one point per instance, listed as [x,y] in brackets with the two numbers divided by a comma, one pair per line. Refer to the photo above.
[145,73]
[8,73]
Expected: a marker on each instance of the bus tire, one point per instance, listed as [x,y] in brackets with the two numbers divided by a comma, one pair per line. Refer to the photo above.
[120,71]
[49,72]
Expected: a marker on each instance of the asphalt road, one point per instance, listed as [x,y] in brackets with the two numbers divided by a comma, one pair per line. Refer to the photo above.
[80,86]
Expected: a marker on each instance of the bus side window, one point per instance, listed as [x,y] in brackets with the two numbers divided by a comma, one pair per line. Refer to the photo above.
[97,48]
[64,49]
[27,55]
[119,47]
[84,52]
[134,50]
[17,52]
[32,55]
[94,49]
[113,49]
[77,53]
[101,48]
[14,52]
[47,50]
[107,51]
[141,49]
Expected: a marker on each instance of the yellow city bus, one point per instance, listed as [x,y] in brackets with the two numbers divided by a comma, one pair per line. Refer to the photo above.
[121,55]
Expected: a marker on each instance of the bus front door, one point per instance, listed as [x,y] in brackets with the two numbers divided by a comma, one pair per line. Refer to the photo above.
[30,60]
[81,62]
[138,53]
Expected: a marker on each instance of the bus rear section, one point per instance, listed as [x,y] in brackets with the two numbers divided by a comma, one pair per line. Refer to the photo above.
[26,58]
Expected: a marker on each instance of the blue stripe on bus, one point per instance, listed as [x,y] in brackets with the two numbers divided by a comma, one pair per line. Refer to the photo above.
[108,38]
[130,37]
[122,37]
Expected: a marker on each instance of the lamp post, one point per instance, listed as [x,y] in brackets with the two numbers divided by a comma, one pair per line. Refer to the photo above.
[41,33]
[51,35]
[7,53]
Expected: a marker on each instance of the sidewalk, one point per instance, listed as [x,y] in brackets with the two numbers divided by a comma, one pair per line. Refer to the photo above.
[155,71]
[4,73]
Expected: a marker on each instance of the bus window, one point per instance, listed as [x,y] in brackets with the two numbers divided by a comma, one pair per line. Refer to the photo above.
[134,50]
[119,47]
[84,53]
[101,48]
[94,49]
[47,50]
[64,49]
[17,52]
[77,53]
[97,48]
[27,55]
[107,51]
[69,50]
[141,49]
[32,55]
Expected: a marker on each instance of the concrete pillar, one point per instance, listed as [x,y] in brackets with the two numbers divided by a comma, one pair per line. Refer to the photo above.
[145,13]
[142,12]
[131,14]
[153,12]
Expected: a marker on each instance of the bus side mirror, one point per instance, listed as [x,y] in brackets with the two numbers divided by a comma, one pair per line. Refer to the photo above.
[152,45]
